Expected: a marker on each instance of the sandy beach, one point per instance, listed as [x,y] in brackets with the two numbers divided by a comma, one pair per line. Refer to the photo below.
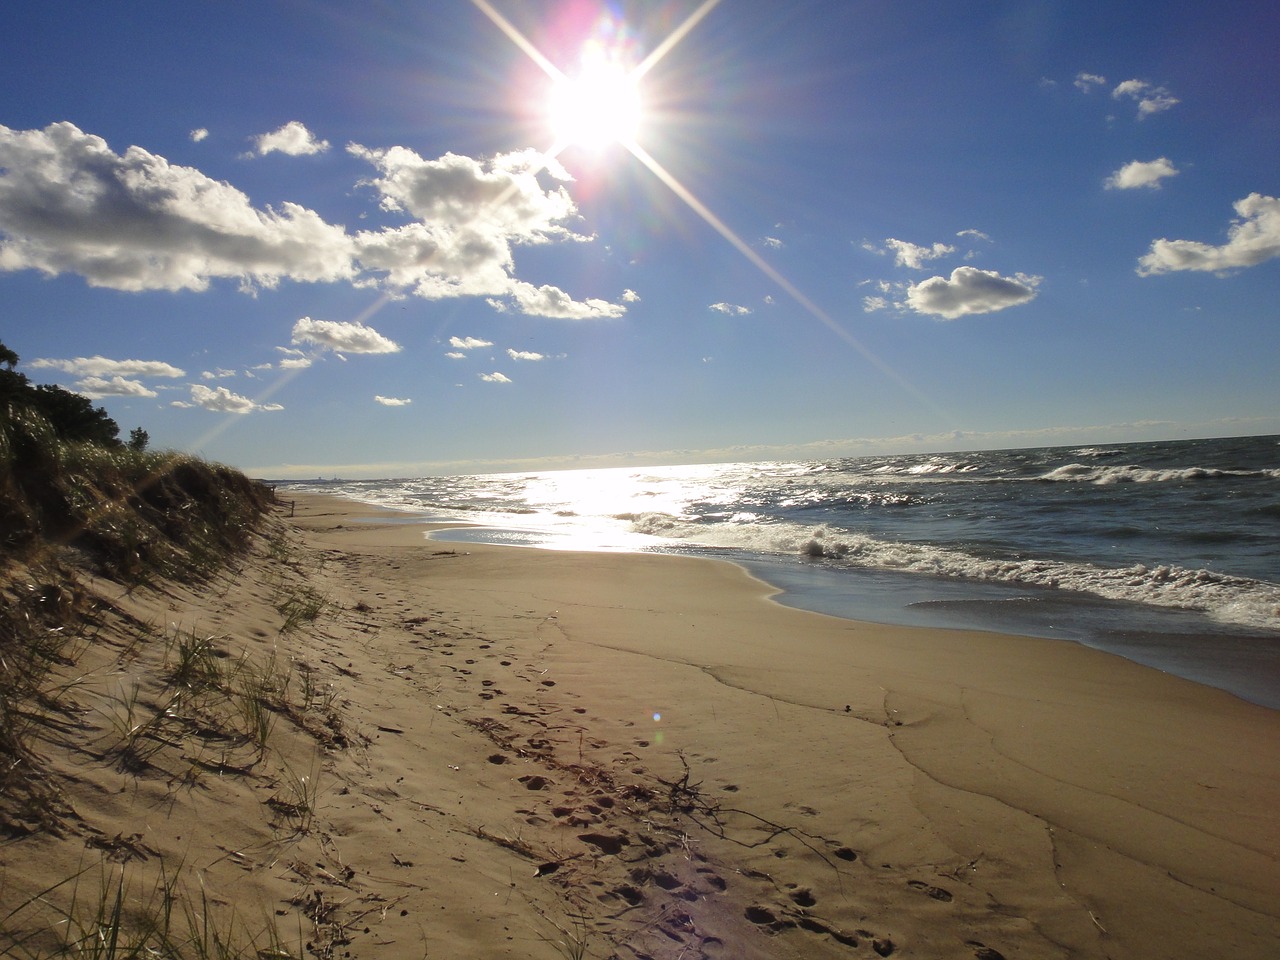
[507,752]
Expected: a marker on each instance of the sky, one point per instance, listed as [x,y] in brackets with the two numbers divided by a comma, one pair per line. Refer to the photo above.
[311,238]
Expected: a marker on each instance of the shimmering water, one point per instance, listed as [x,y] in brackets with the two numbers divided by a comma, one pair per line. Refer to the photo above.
[1166,552]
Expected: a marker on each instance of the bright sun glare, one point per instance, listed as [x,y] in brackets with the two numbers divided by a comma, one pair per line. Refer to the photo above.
[598,107]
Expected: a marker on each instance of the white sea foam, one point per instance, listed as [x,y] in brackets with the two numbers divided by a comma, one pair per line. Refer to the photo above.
[1237,600]
[1089,473]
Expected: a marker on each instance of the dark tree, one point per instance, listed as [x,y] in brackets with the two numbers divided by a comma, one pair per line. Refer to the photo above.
[138,439]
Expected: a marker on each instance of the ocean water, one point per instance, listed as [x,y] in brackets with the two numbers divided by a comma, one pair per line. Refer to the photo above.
[1166,553]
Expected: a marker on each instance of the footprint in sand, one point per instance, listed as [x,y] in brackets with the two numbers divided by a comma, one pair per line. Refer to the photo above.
[982,952]
[937,893]
[803,897]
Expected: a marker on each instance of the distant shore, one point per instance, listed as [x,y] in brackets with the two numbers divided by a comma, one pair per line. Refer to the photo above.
[645,755]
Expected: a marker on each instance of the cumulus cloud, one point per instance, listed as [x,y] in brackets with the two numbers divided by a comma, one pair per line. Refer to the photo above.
[1088,81]
[1150,98]
[907,254]
[98,366]
[968,291]
[295,363]
[393,401]
[218,374]
[630,296]
[133,221]
[470,214]
[198,134]
[494,378]
[525,355]
[222,400]
[95,388]
[552,302]
[1254,236]
[469,343]
[342,337]
[730,309]
[1142,173]
[293,139]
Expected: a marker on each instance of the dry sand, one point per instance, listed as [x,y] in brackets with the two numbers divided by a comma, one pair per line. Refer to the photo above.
[526,753]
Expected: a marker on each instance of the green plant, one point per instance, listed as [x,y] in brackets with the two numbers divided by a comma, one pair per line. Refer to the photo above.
[303,606]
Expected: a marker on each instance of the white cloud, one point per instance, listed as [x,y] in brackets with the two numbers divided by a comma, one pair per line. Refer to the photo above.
[469,343]
[772,242]
[549,301]
[97,366]
[494,378]
[218,374]
[293,139]
[96,388]
[1142,173]
[969,291]
[1150,98]
[453,355]
[525,355]
[730,309]
[630,296]
[872,304]
[342,337]
[133,221]
[198,134]
[470,214]
[393,401]
[976,234]
[222,400]
[1087,81]
[295,363]
[907,254]
[1254,236]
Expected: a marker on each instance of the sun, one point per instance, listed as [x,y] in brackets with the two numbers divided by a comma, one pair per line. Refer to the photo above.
[599,106]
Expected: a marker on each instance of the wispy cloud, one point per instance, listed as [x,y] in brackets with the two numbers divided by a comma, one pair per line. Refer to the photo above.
[494,377]
[101,366]
[525,355]
[469,343]
[293,139]
[1089,81]
[1141,173]
[342,336]
[730,309]
[970,291]
[1151,99]
[1252,238]
[393,401]
[913,255]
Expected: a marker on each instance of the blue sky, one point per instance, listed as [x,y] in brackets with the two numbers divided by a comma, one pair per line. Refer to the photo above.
[307,238]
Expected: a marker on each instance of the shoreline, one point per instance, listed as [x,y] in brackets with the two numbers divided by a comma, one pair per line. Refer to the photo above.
[541,754]
[1105,804]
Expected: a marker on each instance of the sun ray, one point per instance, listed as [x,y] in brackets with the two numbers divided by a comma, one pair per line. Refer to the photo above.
[698,207]
[676,35]
[701,209]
